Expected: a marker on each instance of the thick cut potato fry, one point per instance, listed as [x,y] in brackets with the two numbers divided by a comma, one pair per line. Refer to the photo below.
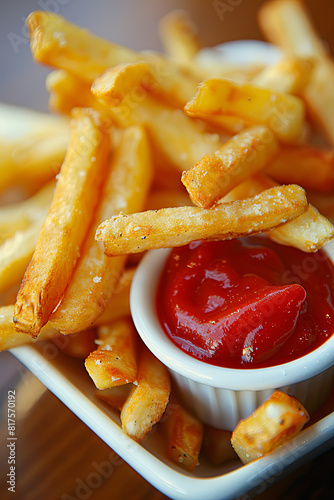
[284,114]
[96,276]
[286,23]
[311,168]
[147,402]
[19,216]
[65,225]
[172,227]
[288,75]
[184,433]
[308,232]
[179,36]
[15,255]
[61,44]
[177,140]
[280,418]
[218,173]
[10,338]
[114,362]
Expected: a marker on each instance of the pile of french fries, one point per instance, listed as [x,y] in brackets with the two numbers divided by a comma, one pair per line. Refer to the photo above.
[157,151]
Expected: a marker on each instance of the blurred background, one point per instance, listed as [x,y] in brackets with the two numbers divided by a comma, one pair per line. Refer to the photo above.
[128,22]
[133,23]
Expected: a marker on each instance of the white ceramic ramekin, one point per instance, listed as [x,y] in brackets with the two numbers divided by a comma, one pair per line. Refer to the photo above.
[222,396]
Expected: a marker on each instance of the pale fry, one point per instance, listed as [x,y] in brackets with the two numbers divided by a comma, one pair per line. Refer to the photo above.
[184,433]
[310,167]
[116,396]
[172,227]
[114,362]
[287,24]
[179,36]
[308,232]
[10,338]
[147,402]
[218,173]
[66,223]
[19,216]
[284,114]
[280,418]
[15,255]
[96,276]
[87,56]
[289,75]
[177,140]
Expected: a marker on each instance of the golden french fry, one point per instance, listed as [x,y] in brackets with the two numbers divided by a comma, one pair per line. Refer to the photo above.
[184,433]
[114,362]
[284,114]
[119,306]
[288,75]
[218,173]
[115,396]
[96,276]
[148,400]
[56,42]
[287,24]
[15,255]
[172,227]
[280,418]
[217,445]
[179,37]
[177,140]
[19,216]
[10,338]
[307,232]
[65,225]
[311,168]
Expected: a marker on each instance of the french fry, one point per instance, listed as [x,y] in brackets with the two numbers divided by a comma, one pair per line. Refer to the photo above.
[116,396]
[184,434]
[284,114]
[218,173]
[65,225]
[114,362]
[33,160]
[280,418]
[87,56]
[288,75]
[310,167]
[15,255]
[179,36]
[287,24]
[177,139]
[308,232]
[217,445]
[119,306]
[10,338]
[19,216]
[148,400]
[172,227]
[96,276]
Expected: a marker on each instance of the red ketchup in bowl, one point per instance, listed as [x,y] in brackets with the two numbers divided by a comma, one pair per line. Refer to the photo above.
[246,302]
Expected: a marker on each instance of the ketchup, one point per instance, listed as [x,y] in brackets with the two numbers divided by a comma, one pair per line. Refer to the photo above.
[246,302]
